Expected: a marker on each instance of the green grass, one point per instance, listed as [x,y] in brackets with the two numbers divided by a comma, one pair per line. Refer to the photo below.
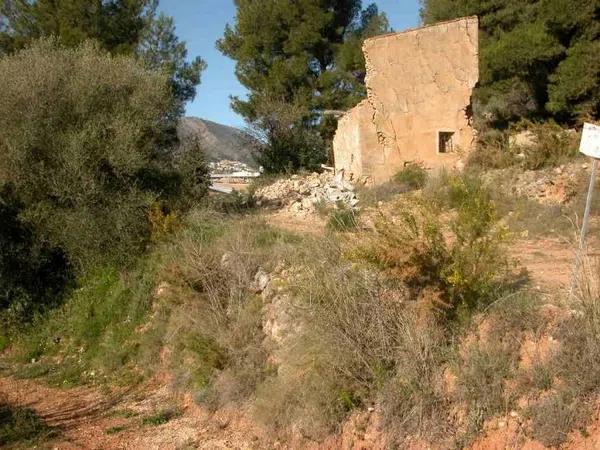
[94,337]
[116,429]
[413,175]
[98,321]
[343,219]
[161,417]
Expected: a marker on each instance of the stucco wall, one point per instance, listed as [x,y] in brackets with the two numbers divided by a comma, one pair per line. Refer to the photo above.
[419,83]
[355,132]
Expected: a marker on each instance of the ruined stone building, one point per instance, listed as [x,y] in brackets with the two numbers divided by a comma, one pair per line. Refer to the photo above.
[418,107]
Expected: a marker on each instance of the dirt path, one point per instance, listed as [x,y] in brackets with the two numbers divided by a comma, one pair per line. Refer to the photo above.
[549,262]
[309,224]
[87,419]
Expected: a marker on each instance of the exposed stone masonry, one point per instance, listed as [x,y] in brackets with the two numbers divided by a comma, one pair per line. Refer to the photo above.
[419,86]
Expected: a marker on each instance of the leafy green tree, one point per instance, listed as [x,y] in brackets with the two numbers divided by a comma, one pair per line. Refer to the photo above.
[32,273]
[78,148]
[537,56]
[301,53]
[119,26]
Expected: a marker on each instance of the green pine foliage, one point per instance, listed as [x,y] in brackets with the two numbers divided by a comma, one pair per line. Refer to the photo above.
[538,58]
[116,24]
[306,56]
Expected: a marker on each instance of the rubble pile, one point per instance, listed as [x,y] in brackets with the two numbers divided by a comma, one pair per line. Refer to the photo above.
[302,194]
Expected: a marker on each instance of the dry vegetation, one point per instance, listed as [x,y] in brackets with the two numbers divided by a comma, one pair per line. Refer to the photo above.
[422,317]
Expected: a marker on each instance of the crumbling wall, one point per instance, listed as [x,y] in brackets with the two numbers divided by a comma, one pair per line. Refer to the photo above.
[419,85]
[356,131]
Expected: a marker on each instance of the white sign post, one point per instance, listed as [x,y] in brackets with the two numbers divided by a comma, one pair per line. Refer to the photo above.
[590,146]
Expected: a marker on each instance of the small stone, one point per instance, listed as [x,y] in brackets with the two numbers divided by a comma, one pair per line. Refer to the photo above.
[296,207]
[261,281]
[307,203]
[225,260]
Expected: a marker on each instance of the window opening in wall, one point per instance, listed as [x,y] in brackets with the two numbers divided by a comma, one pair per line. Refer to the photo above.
[445,141]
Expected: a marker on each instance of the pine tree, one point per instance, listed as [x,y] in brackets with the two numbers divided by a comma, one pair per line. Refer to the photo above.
[117,24]
[538,57]
[304,54]
[160,48]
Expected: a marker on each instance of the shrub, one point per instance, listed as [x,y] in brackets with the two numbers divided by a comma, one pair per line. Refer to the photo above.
[356,341]
[555,416]
[21,426]
[492,151]
[283,142]
[343,219]
[413,175]
[33,274]
[551,145]
[456,263]
[79,147]
[211,319]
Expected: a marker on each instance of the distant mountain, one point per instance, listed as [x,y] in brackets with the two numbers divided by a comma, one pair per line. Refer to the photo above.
[218,141]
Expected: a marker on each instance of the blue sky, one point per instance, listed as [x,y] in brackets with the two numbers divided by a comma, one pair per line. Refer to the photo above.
[201,23]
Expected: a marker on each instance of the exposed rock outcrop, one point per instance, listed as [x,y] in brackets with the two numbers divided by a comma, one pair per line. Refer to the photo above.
[556,185]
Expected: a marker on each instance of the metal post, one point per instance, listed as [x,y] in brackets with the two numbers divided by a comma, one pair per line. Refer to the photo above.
[585,224]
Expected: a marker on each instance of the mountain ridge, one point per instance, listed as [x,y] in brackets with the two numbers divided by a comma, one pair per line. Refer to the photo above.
[218,141]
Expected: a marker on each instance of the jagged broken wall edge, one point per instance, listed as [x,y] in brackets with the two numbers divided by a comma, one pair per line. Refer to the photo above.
[419,84]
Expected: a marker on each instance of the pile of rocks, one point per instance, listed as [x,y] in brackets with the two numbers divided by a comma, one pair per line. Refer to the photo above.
[302,194]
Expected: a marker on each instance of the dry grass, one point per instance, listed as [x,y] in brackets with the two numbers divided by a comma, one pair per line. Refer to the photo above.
[575,369]
[358,325]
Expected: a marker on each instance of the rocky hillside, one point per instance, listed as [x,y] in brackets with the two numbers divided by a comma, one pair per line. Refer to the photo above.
[219,141]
